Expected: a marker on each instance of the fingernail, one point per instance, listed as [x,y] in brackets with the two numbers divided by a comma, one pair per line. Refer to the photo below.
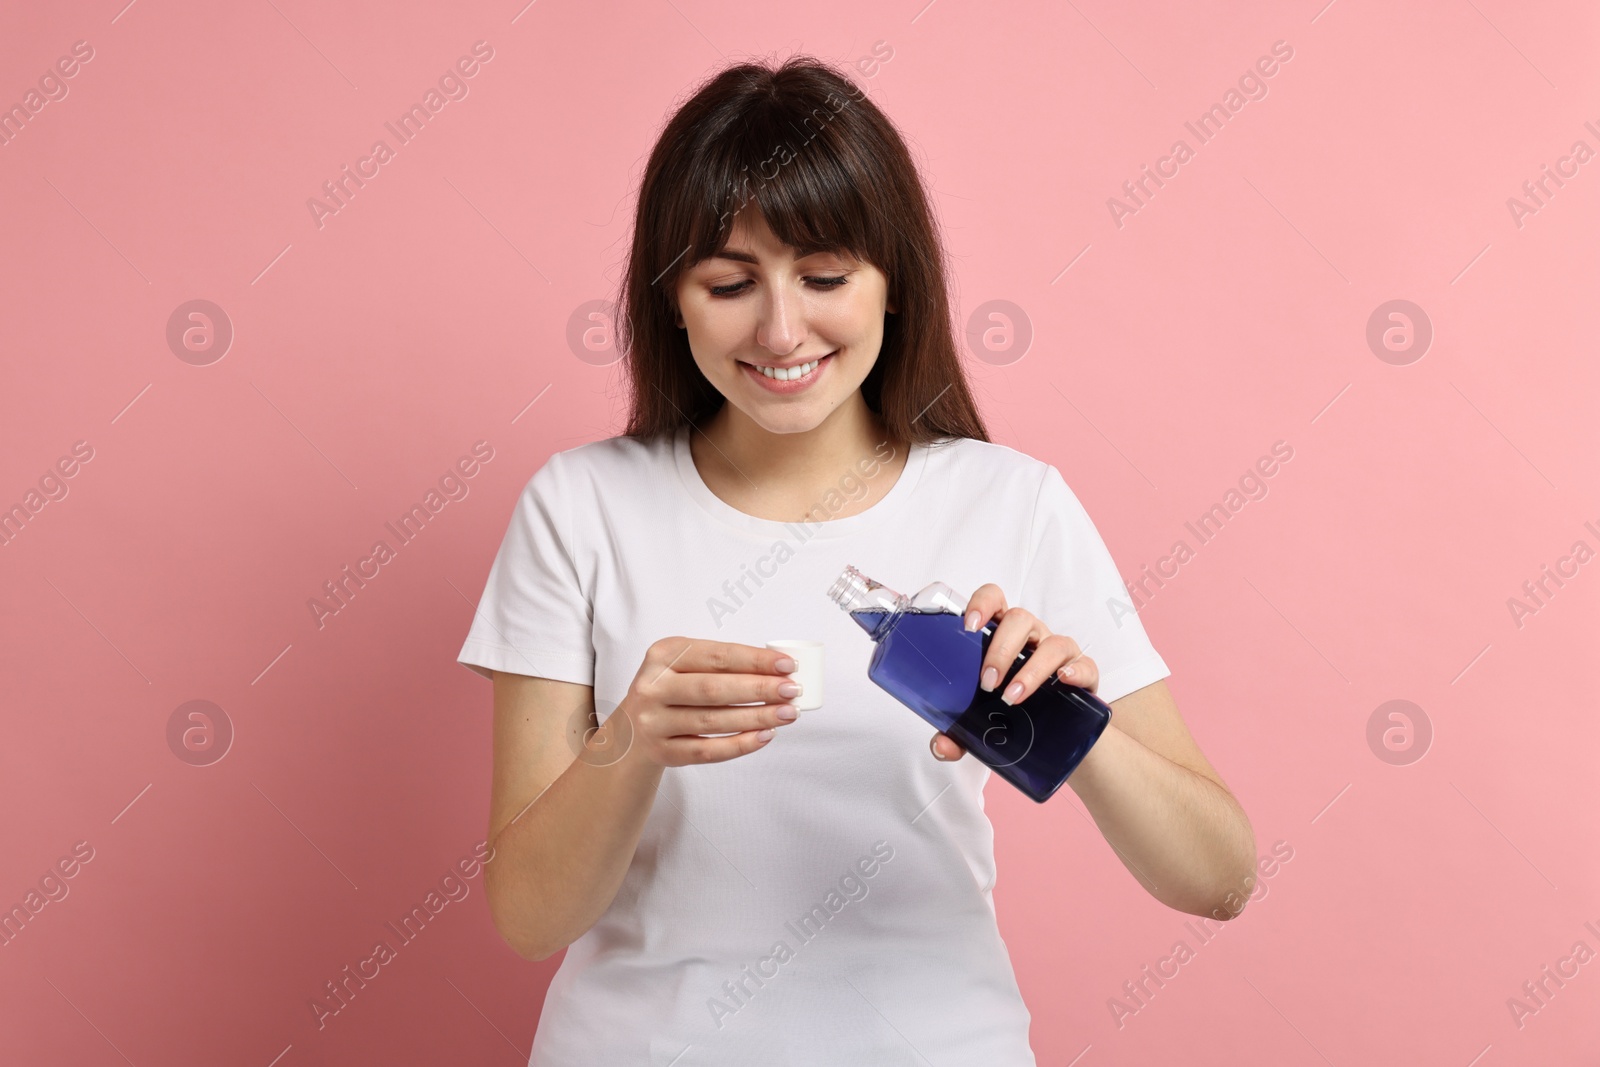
[787,712]
[991,678]
[790,689]
[972,621]
[1013,691]
[1067,672]
[764,736]
[786,665]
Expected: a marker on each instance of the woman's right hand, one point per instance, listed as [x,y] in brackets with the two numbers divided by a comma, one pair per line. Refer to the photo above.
[688,688]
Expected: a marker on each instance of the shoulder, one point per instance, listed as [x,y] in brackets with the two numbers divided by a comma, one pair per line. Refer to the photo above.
[1006,481]
[612,464]
[990,466]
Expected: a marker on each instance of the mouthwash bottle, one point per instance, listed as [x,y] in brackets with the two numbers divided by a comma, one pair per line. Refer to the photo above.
[925,658]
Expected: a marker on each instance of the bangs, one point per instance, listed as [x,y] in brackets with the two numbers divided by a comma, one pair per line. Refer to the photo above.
[792,164]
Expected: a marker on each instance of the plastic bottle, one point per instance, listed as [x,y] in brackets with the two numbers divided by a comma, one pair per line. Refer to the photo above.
[925,658]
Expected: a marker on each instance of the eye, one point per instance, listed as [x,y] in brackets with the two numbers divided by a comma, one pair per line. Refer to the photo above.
[820,282]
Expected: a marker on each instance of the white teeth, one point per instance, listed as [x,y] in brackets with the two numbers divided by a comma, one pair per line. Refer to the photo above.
[792,373]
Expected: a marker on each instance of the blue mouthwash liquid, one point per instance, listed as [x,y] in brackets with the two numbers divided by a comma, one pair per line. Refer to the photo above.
[925,658]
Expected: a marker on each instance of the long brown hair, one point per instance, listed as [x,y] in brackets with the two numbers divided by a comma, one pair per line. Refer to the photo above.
[828,171]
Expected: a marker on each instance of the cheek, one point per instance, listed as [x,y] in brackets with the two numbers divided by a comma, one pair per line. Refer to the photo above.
[866,340]
[715,328]
[855,322]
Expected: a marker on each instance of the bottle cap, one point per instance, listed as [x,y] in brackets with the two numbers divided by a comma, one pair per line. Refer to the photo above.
[807,656]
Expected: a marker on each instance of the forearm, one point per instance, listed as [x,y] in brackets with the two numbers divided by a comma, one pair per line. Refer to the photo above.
[559,863]
[1178,832]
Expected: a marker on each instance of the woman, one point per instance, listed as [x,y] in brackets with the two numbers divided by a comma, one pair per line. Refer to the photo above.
[736,884]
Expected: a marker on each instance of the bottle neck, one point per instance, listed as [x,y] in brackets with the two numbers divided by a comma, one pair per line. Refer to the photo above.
[871,604]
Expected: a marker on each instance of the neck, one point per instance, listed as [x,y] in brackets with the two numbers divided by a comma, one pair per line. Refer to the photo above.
[750,454]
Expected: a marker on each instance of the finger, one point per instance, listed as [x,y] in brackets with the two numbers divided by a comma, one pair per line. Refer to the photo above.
[1018,628]
[985,604]
[1083,672]
[944,749]
[695,655]
[1053,652]
[682,751]
[712,688]
[683,722]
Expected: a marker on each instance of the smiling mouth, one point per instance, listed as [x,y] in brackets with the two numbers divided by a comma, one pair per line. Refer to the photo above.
[790,374]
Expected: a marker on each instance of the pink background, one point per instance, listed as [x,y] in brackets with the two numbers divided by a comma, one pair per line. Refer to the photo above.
[1230,312]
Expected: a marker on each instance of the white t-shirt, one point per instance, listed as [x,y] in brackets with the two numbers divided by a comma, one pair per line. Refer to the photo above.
[825,899]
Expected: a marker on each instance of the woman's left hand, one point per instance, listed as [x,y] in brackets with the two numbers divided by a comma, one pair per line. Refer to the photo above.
[1018,628]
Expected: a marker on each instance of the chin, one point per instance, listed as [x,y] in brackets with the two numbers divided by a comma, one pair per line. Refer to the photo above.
[796,422]
[791,418]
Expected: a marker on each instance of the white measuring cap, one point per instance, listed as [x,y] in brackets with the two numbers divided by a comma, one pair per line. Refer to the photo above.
[807,656]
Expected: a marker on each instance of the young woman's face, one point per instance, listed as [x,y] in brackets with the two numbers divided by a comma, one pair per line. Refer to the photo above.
[756,305]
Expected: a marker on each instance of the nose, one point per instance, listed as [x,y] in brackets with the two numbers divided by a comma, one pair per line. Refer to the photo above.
[782,326]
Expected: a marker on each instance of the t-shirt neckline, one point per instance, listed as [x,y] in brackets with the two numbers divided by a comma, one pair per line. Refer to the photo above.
[716,507]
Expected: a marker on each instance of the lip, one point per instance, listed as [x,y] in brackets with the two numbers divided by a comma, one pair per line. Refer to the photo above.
[772,385]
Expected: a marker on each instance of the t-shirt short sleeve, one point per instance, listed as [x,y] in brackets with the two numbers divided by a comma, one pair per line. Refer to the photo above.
[534,617]
[1072,584]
